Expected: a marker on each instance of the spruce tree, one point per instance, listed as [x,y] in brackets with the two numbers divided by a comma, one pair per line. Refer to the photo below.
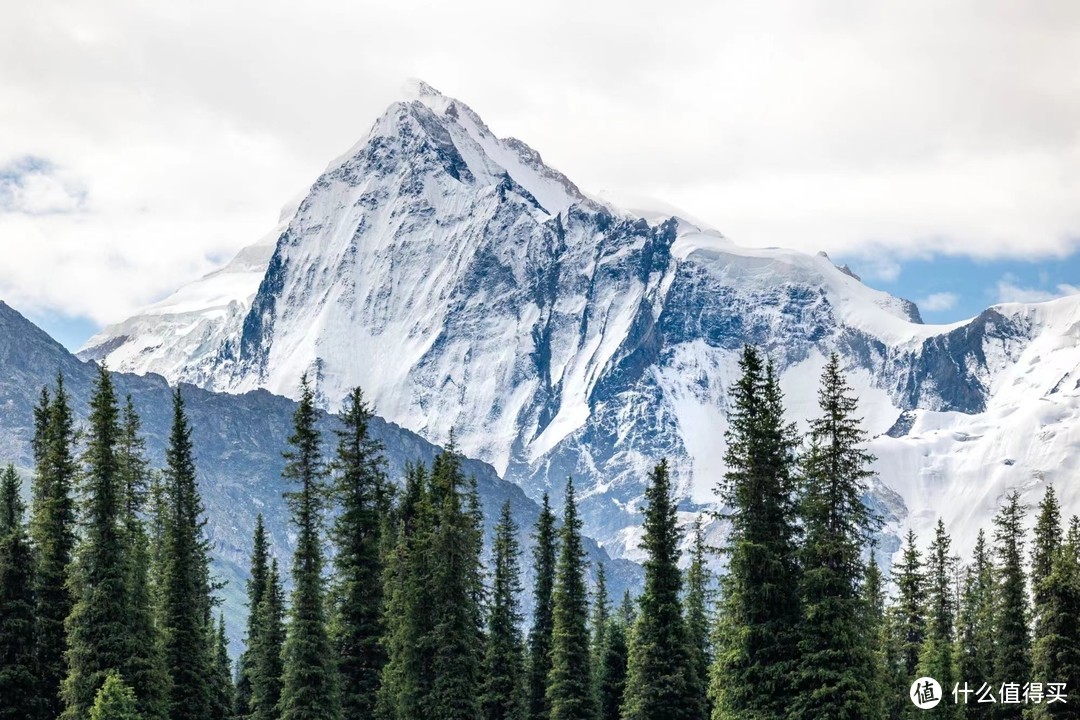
[569,694]
[975,628]
[185,591]
[1012,660]
[936,657]
[264,657]
[456,582]
[598,624]
[756,632]
[310,687]
[1056,652]
[1046,543]
[407,674]
[660,679]
[909,576]
[115,700]
[98,631]
[836,656]
[221,684]
[360,492]
[544,558]
[256,590]
[612,674]
[504,659]
[698,622]
[882,692]
[19,688]
[52,534]
[144,668]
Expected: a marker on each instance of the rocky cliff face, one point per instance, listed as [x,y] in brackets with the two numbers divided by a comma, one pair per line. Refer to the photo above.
[238,441]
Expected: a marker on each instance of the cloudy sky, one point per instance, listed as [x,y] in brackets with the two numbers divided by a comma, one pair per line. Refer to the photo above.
[933,146]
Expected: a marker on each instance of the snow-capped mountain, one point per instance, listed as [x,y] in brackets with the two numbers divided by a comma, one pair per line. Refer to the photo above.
[466,285]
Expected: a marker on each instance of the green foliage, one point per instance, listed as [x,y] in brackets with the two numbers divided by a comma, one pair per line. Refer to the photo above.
[598,624]
[504,658]
[455,592]
[361,494]
[698,613]
[221,684]
[880,682]
[611,677]
[115,700]
[99,635]
[256,590]
[936,658]
[1056,652]
[836,655]
[18,677]
[185,591]
[544,559]
[144,667]
[660,677]
[52,534]
[569,694]
[975,627]
[265,651]
[310,685]
[406,676]
[1012,659]
[756,638]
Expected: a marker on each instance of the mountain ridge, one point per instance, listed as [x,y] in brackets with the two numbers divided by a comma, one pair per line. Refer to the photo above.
[465,284]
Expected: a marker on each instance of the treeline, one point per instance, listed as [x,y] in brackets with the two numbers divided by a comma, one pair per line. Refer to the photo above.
[108,610]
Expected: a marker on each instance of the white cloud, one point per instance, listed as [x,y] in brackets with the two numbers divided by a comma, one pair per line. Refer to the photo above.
[809,124]
[1009,291]
[938,302]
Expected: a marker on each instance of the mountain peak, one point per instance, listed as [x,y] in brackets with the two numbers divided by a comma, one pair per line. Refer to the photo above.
[416,89]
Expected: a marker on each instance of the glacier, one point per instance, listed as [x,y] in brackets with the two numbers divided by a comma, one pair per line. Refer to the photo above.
[468,286]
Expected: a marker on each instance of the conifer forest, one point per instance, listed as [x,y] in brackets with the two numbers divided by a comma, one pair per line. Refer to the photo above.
[394,607]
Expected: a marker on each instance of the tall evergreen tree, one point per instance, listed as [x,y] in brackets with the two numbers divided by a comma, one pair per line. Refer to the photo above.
[185,591]
[221,684]
[756,634]
[310,685]
[18,677]
[1012,660]
[1046,543]
[52,534]
[544,559]
[407,674]
[264,658]
[598,624]
[836,657]
[456,584]
[909,576]
[360,492]
[881,680]
[144,668]
[936,658]
[569,694]
[612,675]
[975,628]
[99,636]
[115,700]
[504,660]
[660,679]
[1056,652]
[698,622]
[256,590]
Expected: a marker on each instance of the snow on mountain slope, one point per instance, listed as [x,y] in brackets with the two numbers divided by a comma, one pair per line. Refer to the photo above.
[464,284]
